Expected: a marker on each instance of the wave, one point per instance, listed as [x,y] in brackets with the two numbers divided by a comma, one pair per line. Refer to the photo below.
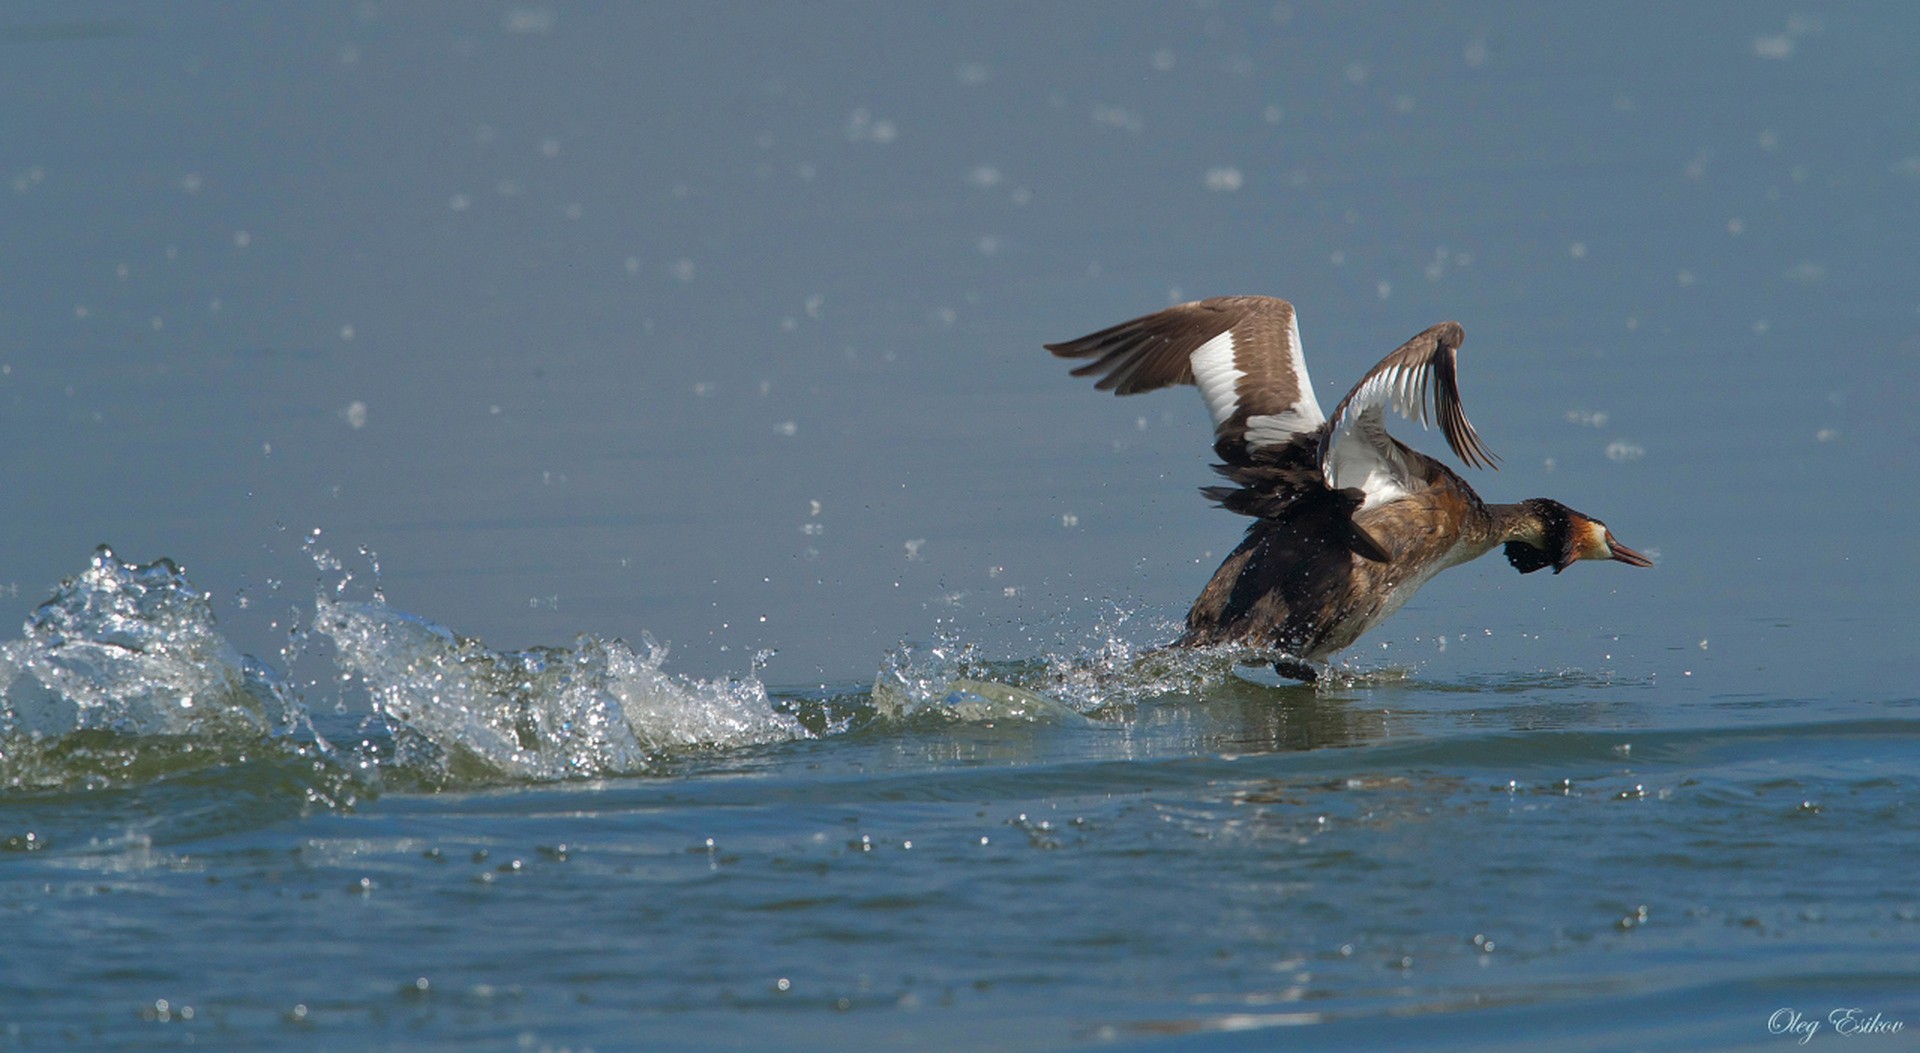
[465,713]
[952,681]
[123,677]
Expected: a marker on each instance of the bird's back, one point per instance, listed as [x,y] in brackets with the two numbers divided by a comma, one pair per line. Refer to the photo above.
[1300,551]
[1315,571]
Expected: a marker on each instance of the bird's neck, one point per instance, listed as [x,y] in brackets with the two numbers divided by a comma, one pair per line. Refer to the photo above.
[1522,522]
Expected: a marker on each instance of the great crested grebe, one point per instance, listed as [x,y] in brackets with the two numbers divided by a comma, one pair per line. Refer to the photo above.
[1348,522]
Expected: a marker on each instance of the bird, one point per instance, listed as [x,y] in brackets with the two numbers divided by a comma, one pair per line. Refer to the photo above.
[1348,521]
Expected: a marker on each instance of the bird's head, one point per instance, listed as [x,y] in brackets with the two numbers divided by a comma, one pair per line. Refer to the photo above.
[1553,535]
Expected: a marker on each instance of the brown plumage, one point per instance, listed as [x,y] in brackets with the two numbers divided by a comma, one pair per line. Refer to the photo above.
[1349,522]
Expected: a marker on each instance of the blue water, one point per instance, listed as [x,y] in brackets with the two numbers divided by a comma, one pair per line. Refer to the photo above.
[599,559]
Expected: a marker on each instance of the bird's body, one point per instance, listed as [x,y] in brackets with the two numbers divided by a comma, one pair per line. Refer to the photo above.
[1348,521]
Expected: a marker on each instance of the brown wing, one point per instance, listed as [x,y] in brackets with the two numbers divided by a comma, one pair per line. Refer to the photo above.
[1242,352]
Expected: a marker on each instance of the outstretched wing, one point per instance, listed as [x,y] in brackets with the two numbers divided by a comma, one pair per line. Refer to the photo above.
[1242,352]
[1358,452]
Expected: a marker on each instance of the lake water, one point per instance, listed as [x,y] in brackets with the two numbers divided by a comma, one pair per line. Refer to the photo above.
[598,559]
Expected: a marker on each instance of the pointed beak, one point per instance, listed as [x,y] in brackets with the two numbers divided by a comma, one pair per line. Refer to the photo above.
[1623,554]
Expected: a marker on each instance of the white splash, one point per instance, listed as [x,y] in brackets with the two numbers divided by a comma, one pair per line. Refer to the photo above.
[134,649]
[949,681]
[595,709]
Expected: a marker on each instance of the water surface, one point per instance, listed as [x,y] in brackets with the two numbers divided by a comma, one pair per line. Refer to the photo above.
[645,585]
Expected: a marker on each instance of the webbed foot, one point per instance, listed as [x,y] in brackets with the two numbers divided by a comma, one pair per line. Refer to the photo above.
[1294,669]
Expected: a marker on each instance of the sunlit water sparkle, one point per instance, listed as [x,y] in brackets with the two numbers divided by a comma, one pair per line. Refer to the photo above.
[766,643]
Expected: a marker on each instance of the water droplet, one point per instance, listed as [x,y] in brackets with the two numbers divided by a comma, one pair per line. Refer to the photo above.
[1223,179]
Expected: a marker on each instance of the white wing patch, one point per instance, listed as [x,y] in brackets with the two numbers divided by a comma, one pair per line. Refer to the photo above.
[1371,470]
[1218,379]
[1278,429]
[1308,408]
[1359,452]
